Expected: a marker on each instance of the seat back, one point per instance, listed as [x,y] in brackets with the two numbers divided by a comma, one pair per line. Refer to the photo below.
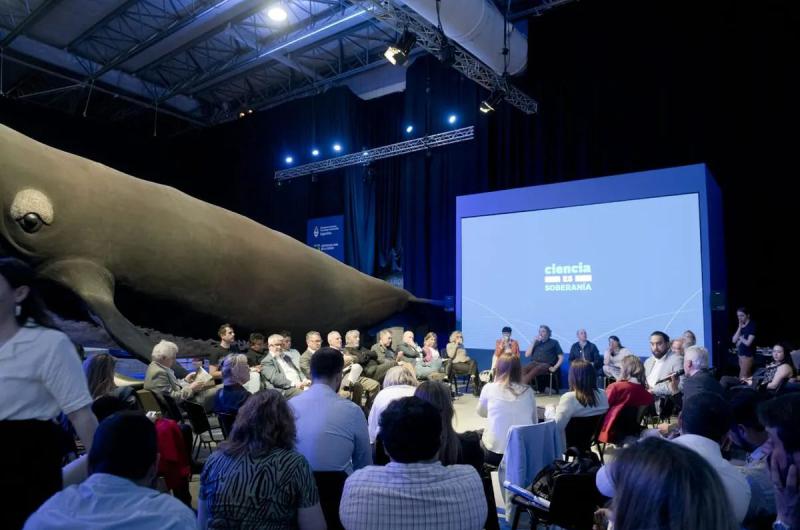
[330,485]
[627,423]
[148,401]
[170,406]
[795,355]
[582,432]
[197,417]
[575,499]
[226,420]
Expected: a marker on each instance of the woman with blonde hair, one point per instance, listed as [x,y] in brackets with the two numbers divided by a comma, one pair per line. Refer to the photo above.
[400,382]
[505,402]
[429,364]
[629,391]
[460,362]
[99,371]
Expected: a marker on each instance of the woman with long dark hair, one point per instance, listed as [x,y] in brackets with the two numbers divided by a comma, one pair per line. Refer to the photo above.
[99,370]
[256,479]
[40,377]
[583,398]
[612,360]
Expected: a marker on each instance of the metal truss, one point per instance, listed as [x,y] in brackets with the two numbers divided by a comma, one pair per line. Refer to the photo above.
[431,39]
[378,153]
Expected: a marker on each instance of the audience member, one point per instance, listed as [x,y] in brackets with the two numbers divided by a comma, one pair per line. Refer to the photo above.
[313,343]
[383,348]
[287,347]
[689,339]
[429,365]
[279,372]
[546,356]
[772,377]
[335,341]
[331,431]
[781,416]
[745,341]
[160,378]
[414,490]
[676,347]
[612,360]
[505,402]
[584,398]
[455,448]
[226,347]
[256,479]
[399,382]
[375,368]
[233,394]
[698,377]
[505,344]
[460,362]
[409,351]
[749,434]
[40,377]
[628,391]
[658,368]
[255,352]
[119,493]
[586,351]
[99,371]
[663,486]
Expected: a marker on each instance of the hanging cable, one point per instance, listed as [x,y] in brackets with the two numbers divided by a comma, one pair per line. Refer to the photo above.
[86,107]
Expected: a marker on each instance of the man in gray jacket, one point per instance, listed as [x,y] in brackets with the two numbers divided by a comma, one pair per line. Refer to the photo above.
[278,371]
[160,378]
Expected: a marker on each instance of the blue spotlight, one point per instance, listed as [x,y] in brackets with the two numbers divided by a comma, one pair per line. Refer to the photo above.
[315,152]
[409,129]
[452,119]
[289,159]
[337,147]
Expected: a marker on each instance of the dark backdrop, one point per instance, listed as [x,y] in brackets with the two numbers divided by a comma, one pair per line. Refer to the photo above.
[622,86]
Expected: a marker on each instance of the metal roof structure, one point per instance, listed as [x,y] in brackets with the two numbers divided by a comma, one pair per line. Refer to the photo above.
[199,61]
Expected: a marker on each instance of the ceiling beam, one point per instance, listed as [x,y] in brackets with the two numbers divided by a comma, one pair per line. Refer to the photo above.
[34,16]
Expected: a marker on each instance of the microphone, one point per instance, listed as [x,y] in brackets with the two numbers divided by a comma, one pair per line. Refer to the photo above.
[670,376]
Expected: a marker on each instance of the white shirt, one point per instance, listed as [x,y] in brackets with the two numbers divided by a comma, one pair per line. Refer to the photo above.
[415,496]
[288,371]
[108,502]
[504,409]
[655,373]
[40,376]
[569,407]
[382,400]
[331,431]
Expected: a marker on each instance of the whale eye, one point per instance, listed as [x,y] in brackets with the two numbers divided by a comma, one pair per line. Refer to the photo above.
[30,222]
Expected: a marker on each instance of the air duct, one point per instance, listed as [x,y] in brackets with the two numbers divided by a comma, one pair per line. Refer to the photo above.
[477,26]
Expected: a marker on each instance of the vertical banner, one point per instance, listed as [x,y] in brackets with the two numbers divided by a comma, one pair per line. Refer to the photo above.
[327,234]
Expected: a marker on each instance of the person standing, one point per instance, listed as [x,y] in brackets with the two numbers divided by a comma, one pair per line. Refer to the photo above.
[744,339]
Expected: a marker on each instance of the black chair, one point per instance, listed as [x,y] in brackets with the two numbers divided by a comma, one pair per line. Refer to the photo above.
[203,433]
[492,522]
[330,485]
[572,506]
[627,423]
[171,408]
[226,420]
[582,432]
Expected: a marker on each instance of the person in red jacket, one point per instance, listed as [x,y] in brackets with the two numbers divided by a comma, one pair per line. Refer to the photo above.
[629,391]
[506,344]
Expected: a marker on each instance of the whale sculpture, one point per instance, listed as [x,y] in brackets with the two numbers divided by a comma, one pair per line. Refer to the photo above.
[97,231]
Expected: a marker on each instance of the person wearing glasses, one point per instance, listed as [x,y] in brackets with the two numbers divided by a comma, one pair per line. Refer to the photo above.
[278,371]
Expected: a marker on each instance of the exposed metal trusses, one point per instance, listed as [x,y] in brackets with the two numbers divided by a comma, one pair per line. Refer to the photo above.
[29,17]
[378,153]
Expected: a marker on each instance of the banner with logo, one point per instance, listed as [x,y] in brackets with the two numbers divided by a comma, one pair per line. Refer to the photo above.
[327,234]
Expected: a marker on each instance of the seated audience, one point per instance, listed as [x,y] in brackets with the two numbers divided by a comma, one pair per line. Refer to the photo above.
[409,351]
[313,343]
[256,479]
[505,344]
[461,363]
[505,402]
[658,368]
[749,434]
[232,395]
[160,378]
[781,416]
[414,490]
[287,347]
[331,431]
[119,492]
[375,367]
[399,382]
[455,448]
[335,341]
[663,486]
[546,356]
[279,372]
[628,391]
[584,398]
[677,347]
[429,365]
[698,377]
[99,371]
[612,360]
[226,346]
[255,352]
[383,348]
[585,350]
[772,377]
[689,339]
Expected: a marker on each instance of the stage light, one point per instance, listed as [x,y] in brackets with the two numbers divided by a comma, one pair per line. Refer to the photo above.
[398,52]
[277,13]
[491,104]
[409,129]
[315,152]
[452,119]
[337,147]
[289,159]
[365,153]
[447,52]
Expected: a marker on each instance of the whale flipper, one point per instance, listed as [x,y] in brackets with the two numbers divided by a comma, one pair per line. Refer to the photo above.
[94,285]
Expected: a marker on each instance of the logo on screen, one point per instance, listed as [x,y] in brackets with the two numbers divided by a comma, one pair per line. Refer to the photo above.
[316,231]
[574,277]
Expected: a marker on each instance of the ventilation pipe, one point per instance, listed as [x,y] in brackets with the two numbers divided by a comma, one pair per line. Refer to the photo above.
[477,26]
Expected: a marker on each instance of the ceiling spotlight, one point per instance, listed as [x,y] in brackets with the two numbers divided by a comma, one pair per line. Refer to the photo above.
[494,100]
[452,119]
[315,152]
[398,52]
[277,13]
[409,129]
[289,159]
[337,147]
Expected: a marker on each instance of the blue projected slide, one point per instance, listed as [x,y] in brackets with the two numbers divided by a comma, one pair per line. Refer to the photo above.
[617,268]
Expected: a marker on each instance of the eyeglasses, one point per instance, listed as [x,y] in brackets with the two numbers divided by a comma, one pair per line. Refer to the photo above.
[279,344]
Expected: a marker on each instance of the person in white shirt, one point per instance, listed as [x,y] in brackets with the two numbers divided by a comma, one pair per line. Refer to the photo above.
[119,494]
[279,372]
[505,402]
[584,398]
[400,381]
[658,369]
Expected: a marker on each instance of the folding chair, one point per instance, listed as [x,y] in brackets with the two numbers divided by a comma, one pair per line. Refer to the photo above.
[582,432]
[203,433]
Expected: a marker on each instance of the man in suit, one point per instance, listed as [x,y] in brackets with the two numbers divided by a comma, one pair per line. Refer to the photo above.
[698,376]
[279,372]
[313,343]
[161,379]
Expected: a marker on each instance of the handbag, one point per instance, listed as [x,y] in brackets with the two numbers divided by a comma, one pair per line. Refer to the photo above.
[574,463]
